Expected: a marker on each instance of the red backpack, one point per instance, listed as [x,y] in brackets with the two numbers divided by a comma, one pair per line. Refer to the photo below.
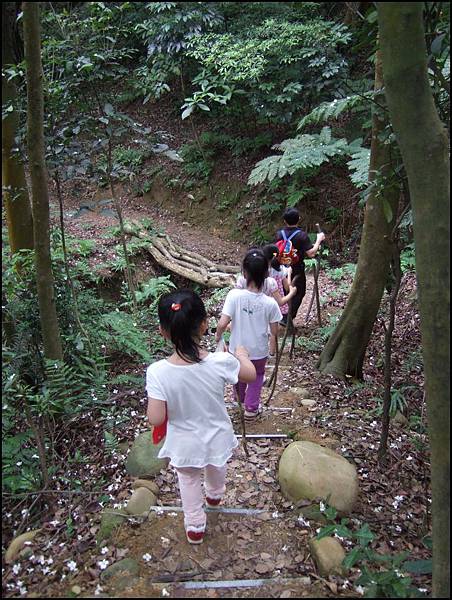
[287,254]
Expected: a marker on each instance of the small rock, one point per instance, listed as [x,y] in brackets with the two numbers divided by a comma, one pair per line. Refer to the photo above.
[186,223]
[109,522]
[76,589]
[146,483]
[158,148]
[400,419]
[142,460]
[328,555]
[140,501]
[105,202]
[308,402]
[18,543]
[300,391]
[173,155]
[127,565]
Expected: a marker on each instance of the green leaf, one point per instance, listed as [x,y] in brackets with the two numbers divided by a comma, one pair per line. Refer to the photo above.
[418,567]
[108,109]
[352,558]
[387,210]
[203,106]
[187,112]
[364,535]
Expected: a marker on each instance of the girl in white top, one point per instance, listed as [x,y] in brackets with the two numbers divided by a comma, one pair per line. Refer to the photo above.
[188,389]
[251,313]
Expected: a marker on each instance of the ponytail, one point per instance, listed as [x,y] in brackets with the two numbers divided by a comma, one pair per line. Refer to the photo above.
[255,268]
[181,314]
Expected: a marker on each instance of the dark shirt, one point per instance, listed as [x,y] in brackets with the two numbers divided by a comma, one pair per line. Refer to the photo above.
[300,241]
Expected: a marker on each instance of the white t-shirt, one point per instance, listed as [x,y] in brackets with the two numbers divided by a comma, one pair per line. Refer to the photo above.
[269,288]
[199,430]
[251,314]
[283,272]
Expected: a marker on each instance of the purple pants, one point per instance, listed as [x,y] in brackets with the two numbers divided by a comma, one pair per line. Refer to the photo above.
[252,391]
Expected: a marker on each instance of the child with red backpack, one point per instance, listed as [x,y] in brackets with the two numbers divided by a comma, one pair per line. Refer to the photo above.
[294,245]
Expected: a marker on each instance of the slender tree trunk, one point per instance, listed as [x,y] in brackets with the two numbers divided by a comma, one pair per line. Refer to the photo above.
[385,420]
[345,350]
[17,202]
[40,193]
[423,142]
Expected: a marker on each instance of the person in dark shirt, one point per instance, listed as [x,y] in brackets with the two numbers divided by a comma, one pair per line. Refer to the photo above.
[302,244]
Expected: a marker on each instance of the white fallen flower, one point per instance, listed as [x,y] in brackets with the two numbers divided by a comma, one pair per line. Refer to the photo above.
[72,565]
[165,592]
[360,590]
[103,564]
[147,557]
[104,550]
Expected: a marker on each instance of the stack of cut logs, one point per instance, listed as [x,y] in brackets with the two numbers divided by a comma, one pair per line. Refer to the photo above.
[186,263]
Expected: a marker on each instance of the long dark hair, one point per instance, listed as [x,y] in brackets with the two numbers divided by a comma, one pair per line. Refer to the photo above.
[255,268]
[181,314]
[271,252]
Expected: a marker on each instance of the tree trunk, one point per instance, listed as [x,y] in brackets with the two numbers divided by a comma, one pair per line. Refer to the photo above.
[17,202]
[423,143]
[345,350]
[40,193]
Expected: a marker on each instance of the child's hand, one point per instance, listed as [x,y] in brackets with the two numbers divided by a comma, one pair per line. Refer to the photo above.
[320,237]
[293,290]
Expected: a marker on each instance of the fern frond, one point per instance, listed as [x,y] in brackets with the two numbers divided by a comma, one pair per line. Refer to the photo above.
[359,167]
[302,152]
[332,110]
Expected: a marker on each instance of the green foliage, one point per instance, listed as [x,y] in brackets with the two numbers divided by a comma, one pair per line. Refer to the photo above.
[150,291]
[387,579]
[338,273]
[127,337]
[302,152]
[278,62]
[333,110]
[359,167]
[408,258]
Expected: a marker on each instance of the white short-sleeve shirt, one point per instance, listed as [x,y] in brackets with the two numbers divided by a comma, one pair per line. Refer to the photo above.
[199,430]
[269,288]
[251,314]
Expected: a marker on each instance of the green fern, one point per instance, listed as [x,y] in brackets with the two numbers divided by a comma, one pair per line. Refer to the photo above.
[359,167]
[128,337]
[332,110]
[154,288]
[302,152]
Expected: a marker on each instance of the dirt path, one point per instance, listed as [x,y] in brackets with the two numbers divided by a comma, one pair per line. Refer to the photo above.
[247,555]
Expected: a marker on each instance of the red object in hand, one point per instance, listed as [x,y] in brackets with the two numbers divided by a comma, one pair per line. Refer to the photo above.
[159,431]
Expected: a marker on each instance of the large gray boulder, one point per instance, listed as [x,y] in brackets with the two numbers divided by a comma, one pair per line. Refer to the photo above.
[308,471]
[142,460]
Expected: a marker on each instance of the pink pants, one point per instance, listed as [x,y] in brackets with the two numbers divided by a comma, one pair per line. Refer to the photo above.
[192,495]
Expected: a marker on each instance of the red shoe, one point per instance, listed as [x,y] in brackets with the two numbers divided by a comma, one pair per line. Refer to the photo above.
[195,537]
[213,501]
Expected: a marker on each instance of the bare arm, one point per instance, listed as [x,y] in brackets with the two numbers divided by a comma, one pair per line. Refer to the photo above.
[281,300]
[274,328]
[156,412]
[247,372]
[221,326]
[315,248]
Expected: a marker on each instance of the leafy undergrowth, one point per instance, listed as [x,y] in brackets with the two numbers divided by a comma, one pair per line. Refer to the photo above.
[394,497]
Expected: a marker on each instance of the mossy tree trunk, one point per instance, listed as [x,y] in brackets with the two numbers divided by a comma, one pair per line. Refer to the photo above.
[424,144]
[40,193]
[344,352]
[17,202]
